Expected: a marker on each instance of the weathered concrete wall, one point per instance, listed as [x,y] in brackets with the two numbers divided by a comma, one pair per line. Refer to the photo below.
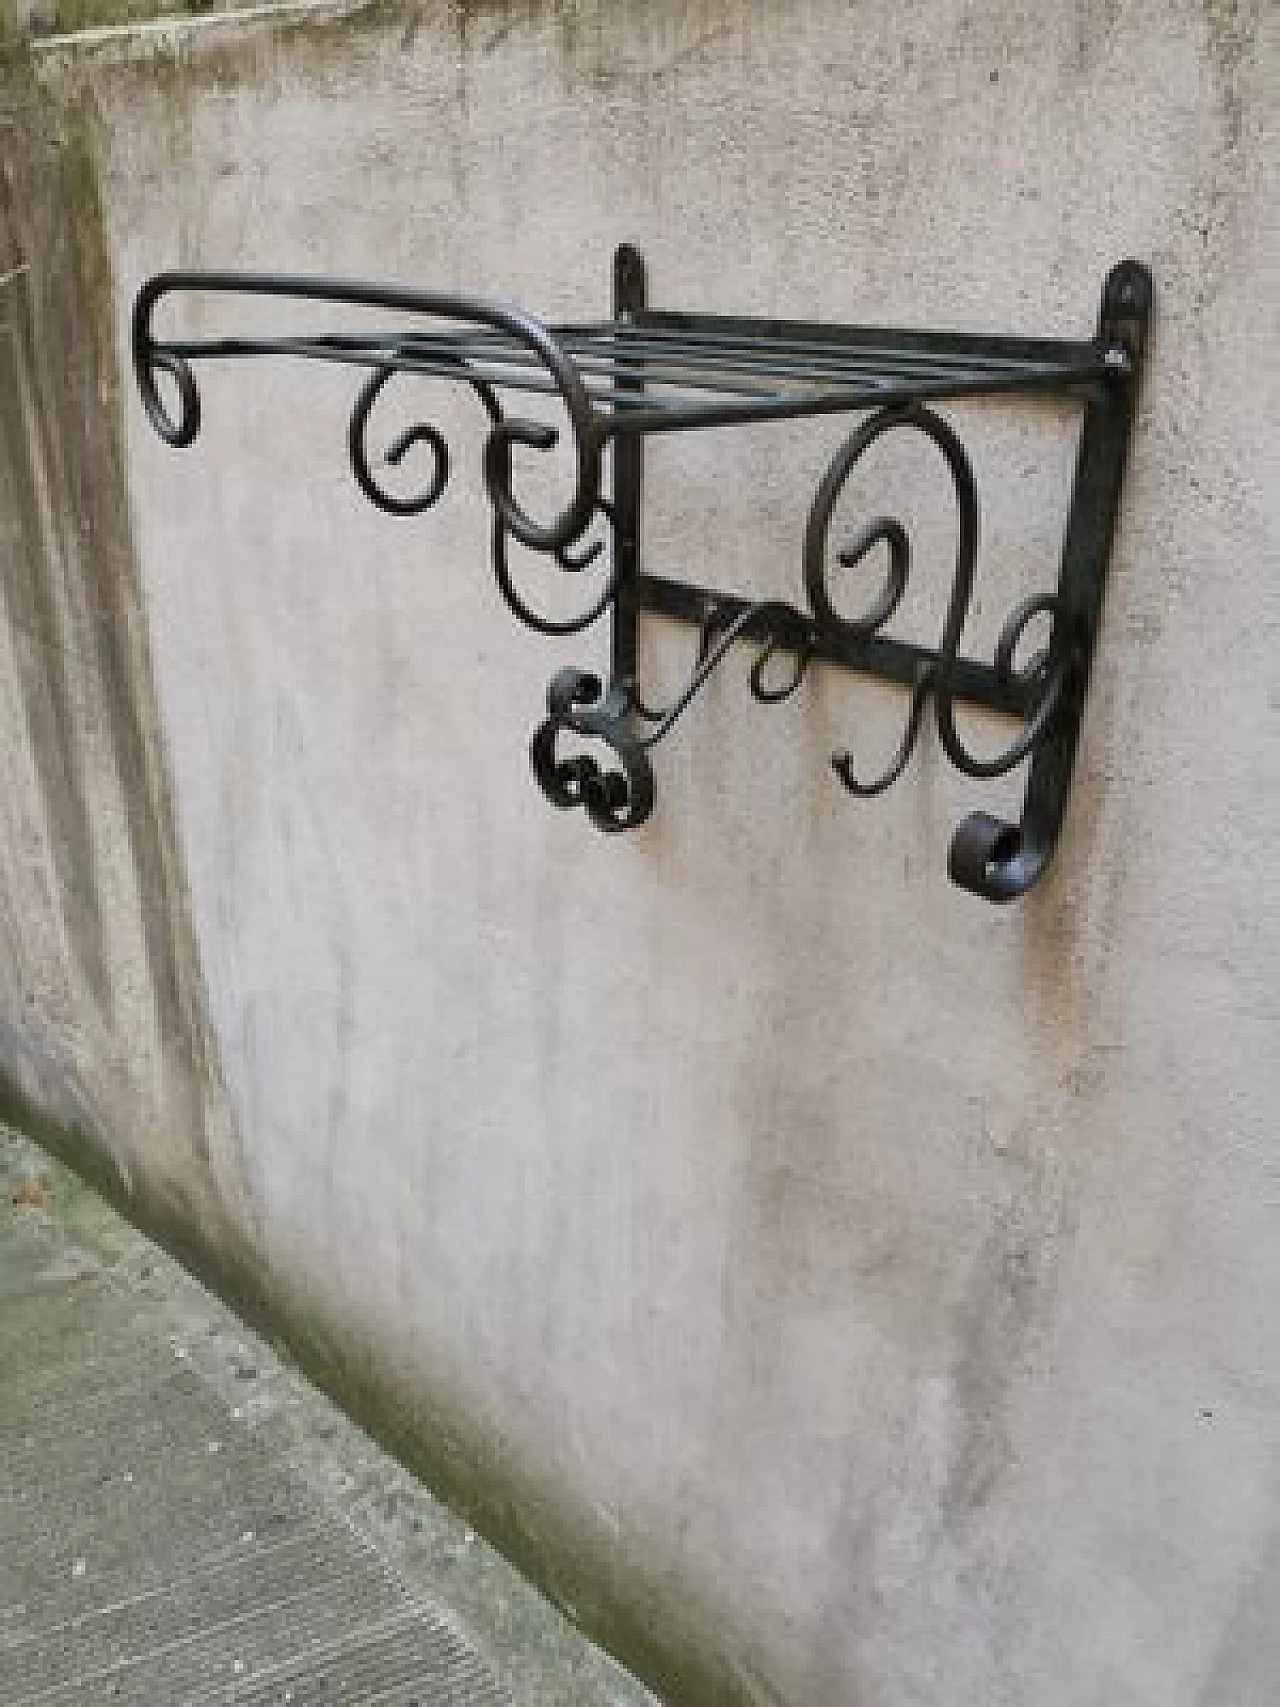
[104,1039]
[833,1289]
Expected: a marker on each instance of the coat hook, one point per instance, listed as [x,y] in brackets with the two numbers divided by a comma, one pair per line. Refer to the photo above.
[842,762]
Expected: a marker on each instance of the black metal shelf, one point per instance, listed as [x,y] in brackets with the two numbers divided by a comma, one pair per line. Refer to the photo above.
[645,372]
[701,373]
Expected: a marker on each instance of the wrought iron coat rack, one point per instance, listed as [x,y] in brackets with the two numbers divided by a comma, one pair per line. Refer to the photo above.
[646,371]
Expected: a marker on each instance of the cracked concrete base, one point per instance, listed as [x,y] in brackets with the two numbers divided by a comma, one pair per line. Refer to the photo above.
[186,1521]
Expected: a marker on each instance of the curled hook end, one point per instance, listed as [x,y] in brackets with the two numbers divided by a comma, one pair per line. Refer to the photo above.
[538,435]
[842,764]
[842,761]
[573,563]
[177,432]
[393,503]
[760,689]
[993,858]
[572,687]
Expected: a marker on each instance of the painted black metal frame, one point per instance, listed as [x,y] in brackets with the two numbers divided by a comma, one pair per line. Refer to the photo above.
[648,371]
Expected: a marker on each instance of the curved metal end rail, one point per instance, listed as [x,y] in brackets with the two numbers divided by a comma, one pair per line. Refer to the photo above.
[641,372]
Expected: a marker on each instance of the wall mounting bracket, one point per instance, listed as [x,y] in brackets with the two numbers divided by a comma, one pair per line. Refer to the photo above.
[646,371]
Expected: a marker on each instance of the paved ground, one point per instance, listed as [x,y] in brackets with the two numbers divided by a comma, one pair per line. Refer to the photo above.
[183,1520]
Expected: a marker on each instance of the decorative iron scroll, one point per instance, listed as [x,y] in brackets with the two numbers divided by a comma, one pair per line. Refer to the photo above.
[643,372]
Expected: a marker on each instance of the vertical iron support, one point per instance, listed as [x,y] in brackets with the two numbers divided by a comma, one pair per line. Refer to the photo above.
[629,296]
[999,860]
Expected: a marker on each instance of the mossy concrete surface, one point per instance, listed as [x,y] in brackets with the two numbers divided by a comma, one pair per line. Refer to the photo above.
[185,1520]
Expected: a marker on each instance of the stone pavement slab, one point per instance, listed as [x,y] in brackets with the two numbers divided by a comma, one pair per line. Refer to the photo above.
[184,1522]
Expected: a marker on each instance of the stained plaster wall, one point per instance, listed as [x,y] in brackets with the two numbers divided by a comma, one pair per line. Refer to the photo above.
[830,1288]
